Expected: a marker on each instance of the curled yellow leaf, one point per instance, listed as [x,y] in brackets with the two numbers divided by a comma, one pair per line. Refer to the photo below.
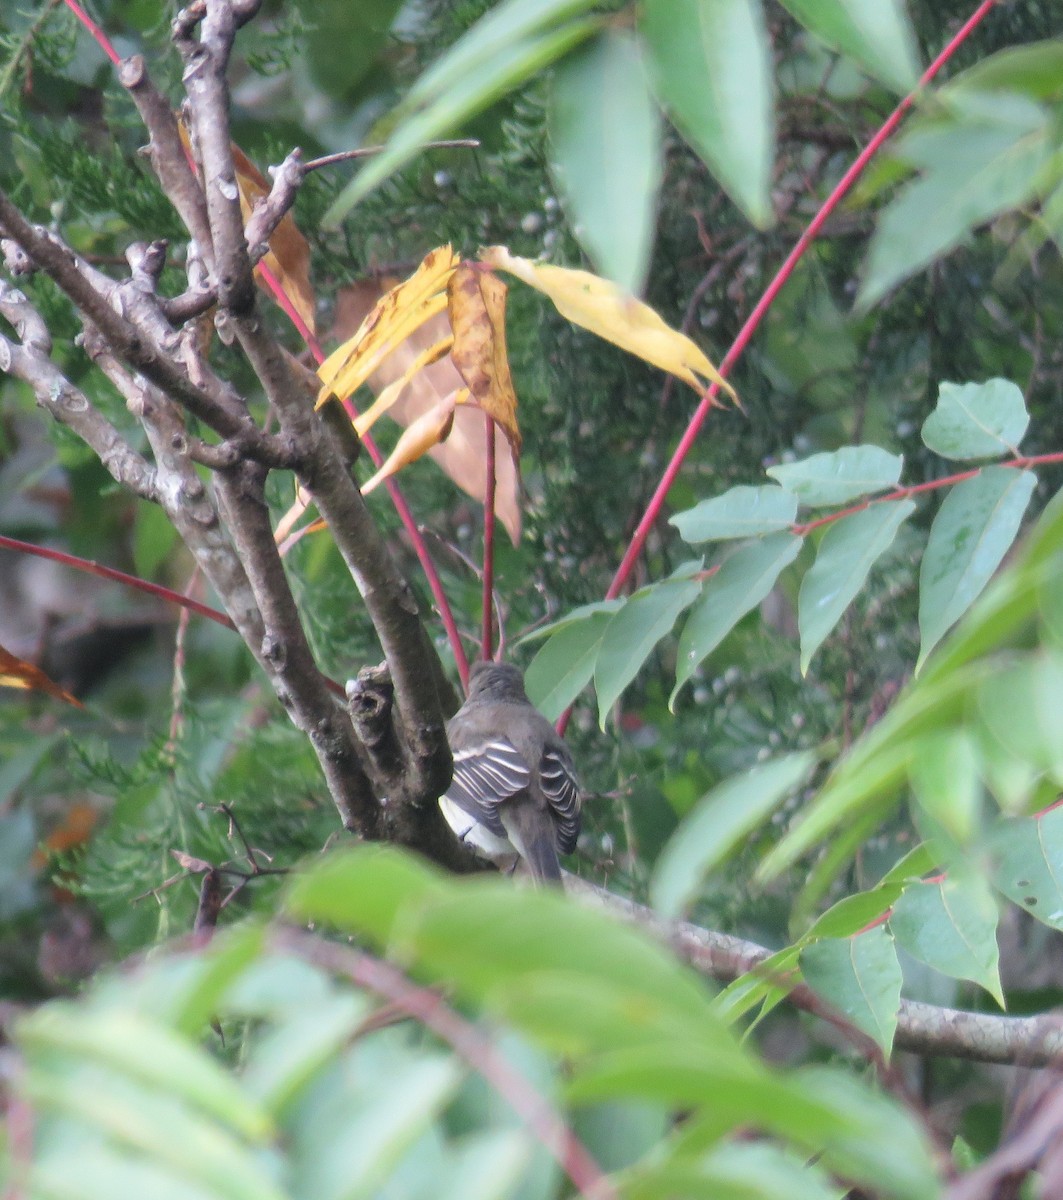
[430,428]
[477,305]
[606,310]
[391,393]
[400,311]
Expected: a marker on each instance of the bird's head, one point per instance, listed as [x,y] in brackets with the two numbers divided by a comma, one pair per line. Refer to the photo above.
[496,681]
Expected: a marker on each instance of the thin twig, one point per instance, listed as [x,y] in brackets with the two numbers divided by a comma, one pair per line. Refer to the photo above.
[329,160]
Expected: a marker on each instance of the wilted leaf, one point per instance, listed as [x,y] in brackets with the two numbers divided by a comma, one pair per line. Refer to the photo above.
[477,305]
[606,310]
[405,308]
[428,430]
[365,421]
[461,456]
[15,673]
[288,257]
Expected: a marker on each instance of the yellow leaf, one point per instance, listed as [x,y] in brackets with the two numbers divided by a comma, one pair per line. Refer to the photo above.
[392,319]
[478,318]
[606,310]
[391,393]
[462,455]
[427,431]
[17,673]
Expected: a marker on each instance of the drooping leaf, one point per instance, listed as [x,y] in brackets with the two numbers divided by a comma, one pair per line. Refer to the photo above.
[441,108]
[711,67]
[427,431]
[861,977]
[633,632]
[840,476]
[976,420]
[951,925]
[740,584]
[565,664]
[973,170]
[605,153]
[400,311]
[849,550]
[876,33]
[477,308]
[721,820]
[739,513]
[974,528]
[15,673]
[610,313]
[387,398]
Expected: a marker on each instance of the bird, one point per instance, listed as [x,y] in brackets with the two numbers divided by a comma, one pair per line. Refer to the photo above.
[514,787]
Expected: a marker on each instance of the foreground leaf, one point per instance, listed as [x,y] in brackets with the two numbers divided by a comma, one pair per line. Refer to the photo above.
[711,68]
[606,310]
[605,153]
[716,826]
[840,476]
[739,513]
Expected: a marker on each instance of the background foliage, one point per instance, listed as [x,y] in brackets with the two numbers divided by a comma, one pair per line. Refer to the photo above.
[943,269]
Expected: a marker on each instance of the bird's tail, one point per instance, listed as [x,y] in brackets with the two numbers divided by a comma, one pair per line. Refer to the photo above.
[532,833]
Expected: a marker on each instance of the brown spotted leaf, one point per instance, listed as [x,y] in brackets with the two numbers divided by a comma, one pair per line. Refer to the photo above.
[477,306]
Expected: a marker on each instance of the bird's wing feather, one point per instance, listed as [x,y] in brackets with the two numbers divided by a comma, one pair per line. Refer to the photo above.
[561,789]
[486,775]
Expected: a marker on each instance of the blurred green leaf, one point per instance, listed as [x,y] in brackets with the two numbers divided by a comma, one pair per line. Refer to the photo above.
[861,977]
[733,1171]
[976,420]
[849,550]
[723,818]
[1026,864]
[974,528]
[739,513]
[605,153]
[711,68]
[876,33]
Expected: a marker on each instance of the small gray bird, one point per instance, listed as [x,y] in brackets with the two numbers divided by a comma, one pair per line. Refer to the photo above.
[514,785]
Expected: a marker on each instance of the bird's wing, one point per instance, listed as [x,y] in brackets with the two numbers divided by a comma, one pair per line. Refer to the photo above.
[486,775]
[561,789]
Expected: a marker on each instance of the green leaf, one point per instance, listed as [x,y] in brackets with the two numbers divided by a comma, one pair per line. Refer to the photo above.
[946,779]
[876,33]
[471,92]
[1026,856]
[711,69]
[632,634]
[853,913]
[977,420]
[605,154]
[976,524]
[1018,707]
[735,1171]
[951,925]
[721,820]
[846,555]
[565,664]
[974,171]
[861,977]
[138,1047]
[1035,69]
[741,512]
[843,475]
[740,584]
[98,1172]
